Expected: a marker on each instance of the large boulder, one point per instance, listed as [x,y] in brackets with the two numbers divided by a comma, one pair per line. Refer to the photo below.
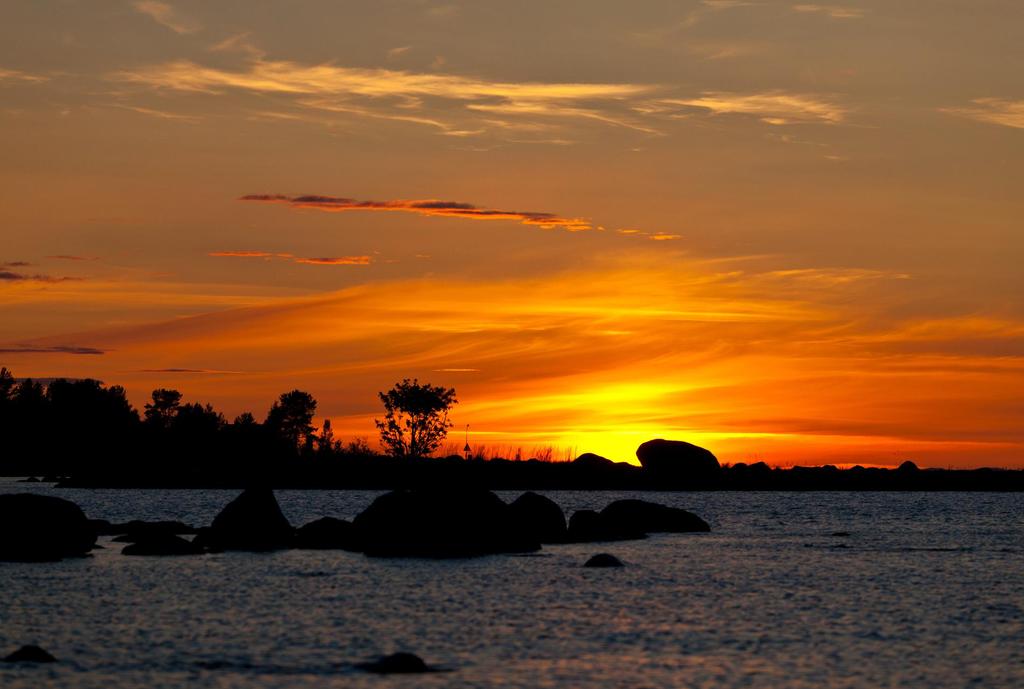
[679,463]
[650,517]
[252,521]
[440,523]
[539,518]
[588,526]
[162,544]
[42,528]
[327,533]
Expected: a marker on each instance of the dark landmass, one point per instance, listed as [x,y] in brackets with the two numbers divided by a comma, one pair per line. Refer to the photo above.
[83,434]
[386,473]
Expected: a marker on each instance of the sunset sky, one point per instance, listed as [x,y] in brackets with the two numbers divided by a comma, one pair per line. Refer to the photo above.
[787,232]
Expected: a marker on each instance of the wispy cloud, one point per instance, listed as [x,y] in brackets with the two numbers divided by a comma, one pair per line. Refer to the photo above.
[210,371]
[15,264]
[161,114]
[11,276]
[453,103]
[14,75]
[833,11]
[430,207]
[336,261]
[313,261]
[165,15]
[772,107]
[73,257]
[52,349]
[1008,113]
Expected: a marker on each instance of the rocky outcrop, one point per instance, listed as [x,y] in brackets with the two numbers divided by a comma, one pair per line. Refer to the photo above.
[539,518]
[327,533]
[42,528]
[252,521]
[439,523]
[679,464]
[650,517]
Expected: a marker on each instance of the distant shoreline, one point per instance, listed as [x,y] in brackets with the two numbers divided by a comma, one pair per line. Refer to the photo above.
[382,473]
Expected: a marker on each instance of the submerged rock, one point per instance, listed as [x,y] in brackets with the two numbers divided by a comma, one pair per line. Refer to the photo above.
[396,663]
[440,523]
[327,533]
[650,517]
[162,544]
[678,462]
[252,521]
[42,528]
[539,518]
[603,560]
[30,654]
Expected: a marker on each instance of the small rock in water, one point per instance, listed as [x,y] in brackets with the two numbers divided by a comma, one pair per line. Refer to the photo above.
[162,544]
[30,654]
[603,560]
[841,534]
[396,663]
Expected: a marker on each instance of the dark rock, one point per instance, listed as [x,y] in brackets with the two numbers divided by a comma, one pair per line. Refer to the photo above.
[30,479]
[650,517]
[440,523]
[30,654]
[135,530]
[908,467]
[587,526]
[162,544]
[42,528]
[327,533]
[680,463]
[539,518]
[588,460]
[252,521]
[603,560]
[396,663]
[841,534]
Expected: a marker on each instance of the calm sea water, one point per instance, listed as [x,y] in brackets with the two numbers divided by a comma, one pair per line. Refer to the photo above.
[927,591]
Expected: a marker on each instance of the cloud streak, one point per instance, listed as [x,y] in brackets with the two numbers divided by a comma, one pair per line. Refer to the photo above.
[52,349]
[771,107]
[313,261]
[426,207]
[11,276]
[832,11]
[1001,111]
[456,104]
[165,15]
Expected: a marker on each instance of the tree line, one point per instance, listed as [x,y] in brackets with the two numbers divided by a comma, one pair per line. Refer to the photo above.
[62,426]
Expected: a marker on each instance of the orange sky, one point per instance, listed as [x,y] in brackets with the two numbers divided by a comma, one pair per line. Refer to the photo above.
[788,232]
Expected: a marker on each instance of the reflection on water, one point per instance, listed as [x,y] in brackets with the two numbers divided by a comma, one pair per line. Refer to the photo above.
[926,590]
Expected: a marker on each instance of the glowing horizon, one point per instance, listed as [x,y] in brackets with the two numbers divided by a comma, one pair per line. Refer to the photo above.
[758,227]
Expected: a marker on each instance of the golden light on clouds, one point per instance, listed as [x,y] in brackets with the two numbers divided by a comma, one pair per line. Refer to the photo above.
[787,230]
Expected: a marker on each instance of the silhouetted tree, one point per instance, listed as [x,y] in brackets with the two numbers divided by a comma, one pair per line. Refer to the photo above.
[7,383]
[291,418]
[415,419]
[161,411]
[325,442]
